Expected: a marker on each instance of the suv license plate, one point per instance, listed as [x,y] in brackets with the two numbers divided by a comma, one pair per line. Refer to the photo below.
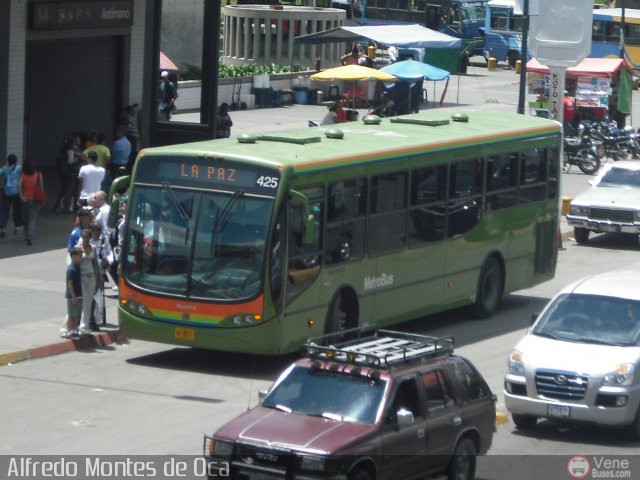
[559,411]
[182,333]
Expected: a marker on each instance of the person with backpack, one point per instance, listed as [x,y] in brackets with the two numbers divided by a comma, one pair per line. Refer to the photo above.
[167,95]
[68,164]
[10,178]
[30,181]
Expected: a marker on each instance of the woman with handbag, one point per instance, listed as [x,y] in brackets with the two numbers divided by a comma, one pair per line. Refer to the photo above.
[31,188]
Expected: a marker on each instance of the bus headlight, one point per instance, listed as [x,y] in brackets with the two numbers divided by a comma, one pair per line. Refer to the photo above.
[242,320]
[620,376]
[245,320]
[136,308]
[579,210]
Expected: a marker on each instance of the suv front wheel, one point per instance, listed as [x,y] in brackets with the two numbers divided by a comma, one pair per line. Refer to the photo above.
[463,462]
[524,422]
[359,474]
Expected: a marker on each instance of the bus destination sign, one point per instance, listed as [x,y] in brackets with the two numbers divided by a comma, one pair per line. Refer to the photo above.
[208,172]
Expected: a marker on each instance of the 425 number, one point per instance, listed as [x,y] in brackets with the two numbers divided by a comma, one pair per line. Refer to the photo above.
[267,182]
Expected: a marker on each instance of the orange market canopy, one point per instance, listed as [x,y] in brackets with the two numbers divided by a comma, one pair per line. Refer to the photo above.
[589,67]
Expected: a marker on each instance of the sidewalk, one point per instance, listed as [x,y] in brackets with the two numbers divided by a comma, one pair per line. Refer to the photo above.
[32,277]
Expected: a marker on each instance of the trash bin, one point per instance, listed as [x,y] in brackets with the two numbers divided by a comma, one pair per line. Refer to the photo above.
[300,97]
[319,95]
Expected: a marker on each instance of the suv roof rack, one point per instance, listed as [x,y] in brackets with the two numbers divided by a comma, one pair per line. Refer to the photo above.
[375,347]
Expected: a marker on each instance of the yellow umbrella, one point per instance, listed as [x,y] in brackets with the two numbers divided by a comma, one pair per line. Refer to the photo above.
[353,73]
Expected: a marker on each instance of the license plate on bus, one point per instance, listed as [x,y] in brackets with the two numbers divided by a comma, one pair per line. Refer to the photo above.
[182,333]
[558,411]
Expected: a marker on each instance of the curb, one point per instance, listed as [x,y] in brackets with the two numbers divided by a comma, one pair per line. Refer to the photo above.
[89,342]
[501,418]
[566,236]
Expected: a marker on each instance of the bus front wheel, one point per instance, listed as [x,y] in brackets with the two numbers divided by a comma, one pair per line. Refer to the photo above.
[343,312]
[489,294]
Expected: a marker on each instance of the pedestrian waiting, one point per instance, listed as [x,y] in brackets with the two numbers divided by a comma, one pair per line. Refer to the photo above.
[73,295]
[91,282]
[9,181]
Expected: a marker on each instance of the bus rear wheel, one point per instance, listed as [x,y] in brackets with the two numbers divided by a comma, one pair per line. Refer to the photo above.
[489,294]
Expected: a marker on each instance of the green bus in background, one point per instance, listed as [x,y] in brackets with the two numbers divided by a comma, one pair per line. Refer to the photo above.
[255,244]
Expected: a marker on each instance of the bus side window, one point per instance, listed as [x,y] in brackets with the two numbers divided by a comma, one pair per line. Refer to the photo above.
[502,182]
[465,194]
[388,217]
[346,219]
[276,260]
[427,203]
[533,175]
[304,259]
[554,155]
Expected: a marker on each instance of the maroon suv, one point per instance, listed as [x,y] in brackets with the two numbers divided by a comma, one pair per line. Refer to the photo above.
[382,405]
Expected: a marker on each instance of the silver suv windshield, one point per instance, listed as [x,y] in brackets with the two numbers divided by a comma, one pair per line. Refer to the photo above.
[194,243]
[592,319]
[328,394]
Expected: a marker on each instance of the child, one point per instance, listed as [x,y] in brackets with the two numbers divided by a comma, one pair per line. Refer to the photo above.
[73,295]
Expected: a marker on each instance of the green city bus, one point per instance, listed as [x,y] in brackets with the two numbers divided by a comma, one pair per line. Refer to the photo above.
[257,243]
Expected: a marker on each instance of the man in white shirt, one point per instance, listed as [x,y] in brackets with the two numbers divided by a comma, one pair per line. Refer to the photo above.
[102,209]
[90,178]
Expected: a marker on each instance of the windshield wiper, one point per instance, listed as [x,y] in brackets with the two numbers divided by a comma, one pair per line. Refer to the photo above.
[332,416]
[223,216]
[176,202]
[598,341]
[548,335]
[283,408]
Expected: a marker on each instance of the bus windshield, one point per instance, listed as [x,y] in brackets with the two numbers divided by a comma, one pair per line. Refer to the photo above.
[196,244]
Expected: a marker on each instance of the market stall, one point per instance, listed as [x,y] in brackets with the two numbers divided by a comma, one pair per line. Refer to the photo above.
[600,86]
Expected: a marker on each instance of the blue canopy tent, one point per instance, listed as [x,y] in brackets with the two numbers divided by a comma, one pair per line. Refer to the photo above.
[411,73]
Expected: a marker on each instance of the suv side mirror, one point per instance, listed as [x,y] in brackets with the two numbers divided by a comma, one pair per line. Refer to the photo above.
[534,317]
[404,418]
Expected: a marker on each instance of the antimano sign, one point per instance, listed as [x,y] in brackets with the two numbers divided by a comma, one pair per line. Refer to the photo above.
[66,15]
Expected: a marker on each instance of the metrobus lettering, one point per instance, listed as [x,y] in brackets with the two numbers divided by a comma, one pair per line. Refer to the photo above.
[382,280]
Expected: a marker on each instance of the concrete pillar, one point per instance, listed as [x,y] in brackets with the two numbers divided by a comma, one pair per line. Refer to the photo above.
[250,28]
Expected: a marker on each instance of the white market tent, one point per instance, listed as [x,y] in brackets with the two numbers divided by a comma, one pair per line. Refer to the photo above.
[402,36]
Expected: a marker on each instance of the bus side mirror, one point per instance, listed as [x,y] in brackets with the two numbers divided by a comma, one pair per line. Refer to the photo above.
[120,184]
[115,200]
[308,220]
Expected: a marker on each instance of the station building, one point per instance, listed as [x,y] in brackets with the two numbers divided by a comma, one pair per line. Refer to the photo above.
[72,66]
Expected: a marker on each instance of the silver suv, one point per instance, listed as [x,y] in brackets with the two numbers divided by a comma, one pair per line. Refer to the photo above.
[580,363]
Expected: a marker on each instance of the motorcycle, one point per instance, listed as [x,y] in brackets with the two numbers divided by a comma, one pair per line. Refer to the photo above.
[578,151]
[617,144]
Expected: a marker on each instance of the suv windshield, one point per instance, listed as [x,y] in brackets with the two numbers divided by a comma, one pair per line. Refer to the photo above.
[330,394]
[592,319]
[200,244]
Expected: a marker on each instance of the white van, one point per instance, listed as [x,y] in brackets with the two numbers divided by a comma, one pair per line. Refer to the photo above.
[580,363]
